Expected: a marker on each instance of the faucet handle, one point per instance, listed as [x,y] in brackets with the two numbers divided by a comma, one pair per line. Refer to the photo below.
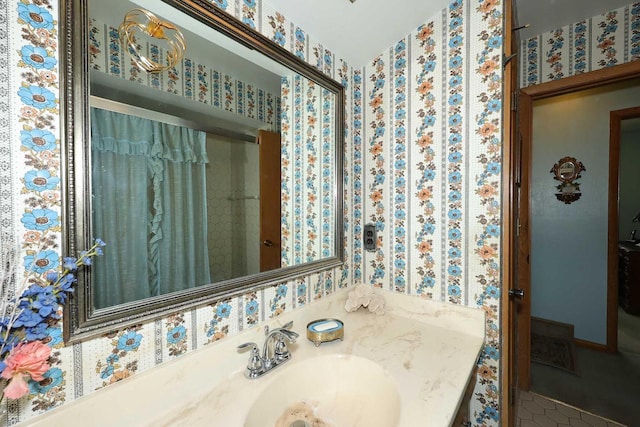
[252,345]
[255,365]
[280,350]
[289,335]
[288,325]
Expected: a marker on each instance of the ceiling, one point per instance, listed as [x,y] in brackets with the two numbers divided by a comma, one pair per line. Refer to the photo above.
[358,32]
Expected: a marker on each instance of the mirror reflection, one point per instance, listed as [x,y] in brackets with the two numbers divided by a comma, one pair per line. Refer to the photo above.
[567,170]
[210,173]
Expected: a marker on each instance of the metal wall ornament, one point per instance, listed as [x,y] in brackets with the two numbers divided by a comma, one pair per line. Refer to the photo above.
[147,23]
[567,171]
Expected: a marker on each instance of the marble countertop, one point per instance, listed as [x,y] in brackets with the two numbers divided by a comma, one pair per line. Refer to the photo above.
[428,348]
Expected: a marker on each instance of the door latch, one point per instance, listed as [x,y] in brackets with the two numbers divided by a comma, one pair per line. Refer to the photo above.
[516,293]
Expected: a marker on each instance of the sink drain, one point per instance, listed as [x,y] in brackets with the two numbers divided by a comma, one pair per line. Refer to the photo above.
[301,414]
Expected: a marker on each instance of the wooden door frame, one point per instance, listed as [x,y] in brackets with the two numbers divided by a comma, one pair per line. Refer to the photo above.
[615,119]
[510,150]
[527,96]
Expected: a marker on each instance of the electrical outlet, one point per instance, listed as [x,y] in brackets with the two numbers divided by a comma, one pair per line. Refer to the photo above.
[369,236]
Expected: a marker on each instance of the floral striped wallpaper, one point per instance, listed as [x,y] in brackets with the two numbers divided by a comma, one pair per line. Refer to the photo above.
[422,163]
[602,41]
[427,139]
[189,79]
[307,172]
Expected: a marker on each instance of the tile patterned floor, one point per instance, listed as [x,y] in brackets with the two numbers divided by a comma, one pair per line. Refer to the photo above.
[538,411]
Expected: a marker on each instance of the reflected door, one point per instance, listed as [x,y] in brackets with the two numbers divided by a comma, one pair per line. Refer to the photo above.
[270,191]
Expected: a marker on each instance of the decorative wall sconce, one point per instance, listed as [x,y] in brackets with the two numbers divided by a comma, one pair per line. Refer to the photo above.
[567,171]
[146,22]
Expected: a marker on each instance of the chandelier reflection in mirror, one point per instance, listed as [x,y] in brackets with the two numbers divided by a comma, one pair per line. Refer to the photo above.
[149,24]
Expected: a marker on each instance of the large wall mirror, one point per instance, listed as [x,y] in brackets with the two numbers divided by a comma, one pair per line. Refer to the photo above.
[207,157]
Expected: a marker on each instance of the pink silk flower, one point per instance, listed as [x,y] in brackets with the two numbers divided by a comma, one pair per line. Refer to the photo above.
[25,359]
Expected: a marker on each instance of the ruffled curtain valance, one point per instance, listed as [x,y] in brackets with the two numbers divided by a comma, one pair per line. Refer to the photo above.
[130,135]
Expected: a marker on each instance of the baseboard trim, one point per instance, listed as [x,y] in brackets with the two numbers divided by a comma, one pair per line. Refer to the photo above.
[590,344]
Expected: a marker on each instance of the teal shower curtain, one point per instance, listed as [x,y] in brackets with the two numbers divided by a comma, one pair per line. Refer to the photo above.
[149,205]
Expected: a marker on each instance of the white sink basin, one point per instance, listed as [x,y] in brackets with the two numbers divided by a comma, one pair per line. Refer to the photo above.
[334,390]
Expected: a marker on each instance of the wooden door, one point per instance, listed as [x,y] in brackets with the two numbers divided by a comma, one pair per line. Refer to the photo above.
[270,191]
[511,186]
[515,293]
[523,261]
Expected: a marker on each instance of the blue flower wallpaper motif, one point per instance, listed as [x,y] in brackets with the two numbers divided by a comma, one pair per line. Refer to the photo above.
[301,292]
[188,78]
[300,44]
[37,101]
[38,57]
[279,32]
[35,16]
[424,154]
[218,327]
[38,140]
[378,152]
[554,54]
[278,303]
[344,74]
[327,178]
[176,335]
[287,178]
[607,39]
[252,309]
[121,362]
[579,45]
[399,202]
[357,159]
[455,128]
[634,36]
[40,180]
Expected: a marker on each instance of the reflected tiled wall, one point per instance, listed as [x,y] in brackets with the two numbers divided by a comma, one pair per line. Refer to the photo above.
[602,41]
[219,208]
[245,208]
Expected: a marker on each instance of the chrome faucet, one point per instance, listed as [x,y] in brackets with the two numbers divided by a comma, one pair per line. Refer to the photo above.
[274,351]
